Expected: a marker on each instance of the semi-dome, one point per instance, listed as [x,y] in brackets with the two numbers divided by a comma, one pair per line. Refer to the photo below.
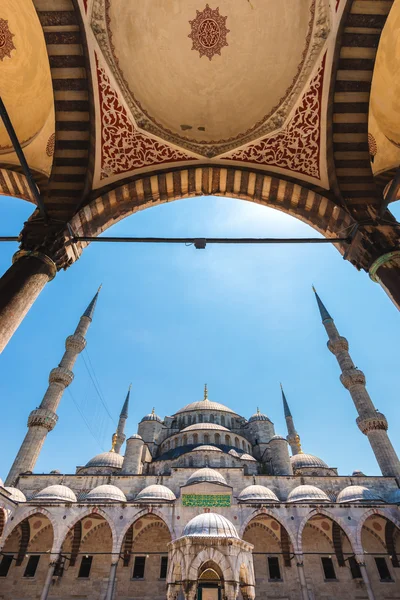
[210,525]
[105,493]
[155,493]
[246,456]
[206,448]
[302,461]
[106,459]
[16,494]
[307,493]
[152,417]
[206,475]
[257,493]
[357,493]
[55,493]
[258,416]
[197,426]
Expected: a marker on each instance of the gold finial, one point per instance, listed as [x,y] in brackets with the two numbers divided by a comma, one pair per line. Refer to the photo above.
[130,387]
[205,392]
[153,411]
[258,410]
[298,444]
[114,442]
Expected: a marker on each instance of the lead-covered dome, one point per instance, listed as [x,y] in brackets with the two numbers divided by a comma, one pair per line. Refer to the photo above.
[206,448]
[246,456]
[258,416]
[155,493]
[15,494]
[307,493]
[105,493]
[206,475]
[210,525]
[357,493]
[197,426]
[205,405]
[257,493]
[106,459]
[55,493]
[152,417]
[302,461]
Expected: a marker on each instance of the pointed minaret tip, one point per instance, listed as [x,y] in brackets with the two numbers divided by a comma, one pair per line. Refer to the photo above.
[205,392]
[89,312]
[124,411]
[325,316]
[286,408]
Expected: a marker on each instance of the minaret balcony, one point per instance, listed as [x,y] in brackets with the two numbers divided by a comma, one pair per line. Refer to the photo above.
[61,375]
[75,343]
[368,424]
[337,345]
[352,377]
[41,417]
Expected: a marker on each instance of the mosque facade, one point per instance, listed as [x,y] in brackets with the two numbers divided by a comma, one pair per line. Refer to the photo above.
[204,504]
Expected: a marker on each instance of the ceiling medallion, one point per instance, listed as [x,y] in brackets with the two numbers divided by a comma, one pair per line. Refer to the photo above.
[208,32]
[6,43]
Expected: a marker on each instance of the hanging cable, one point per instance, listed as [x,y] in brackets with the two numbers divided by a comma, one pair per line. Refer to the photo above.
[86,421]
[96,384]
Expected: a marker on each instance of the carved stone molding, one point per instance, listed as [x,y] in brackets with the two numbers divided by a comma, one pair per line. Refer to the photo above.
[352,377]
[372,423]
[42,418]
[61,375]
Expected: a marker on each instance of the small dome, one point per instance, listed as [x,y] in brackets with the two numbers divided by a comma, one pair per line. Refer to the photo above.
[210,525]
[357,493]
[301,461]
[278,437]
[206,448]
[135,436]
[358,474]
[258,416]
[394,497]
[16,494]
[246,456]
[307,493]
[106,459]
[152,417]
[105,493]
[55,472]
[233,452]
[55,493]
[155,493]
[197,426]
[257,493]
[206,475]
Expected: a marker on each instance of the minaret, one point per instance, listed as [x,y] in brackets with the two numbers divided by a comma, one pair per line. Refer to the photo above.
[44,419]
[205,392]
[121,423]
[371,422]
[292,437]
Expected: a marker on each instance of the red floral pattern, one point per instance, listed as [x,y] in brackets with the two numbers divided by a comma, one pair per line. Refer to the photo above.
[297,147]
[123,147]
[208,32]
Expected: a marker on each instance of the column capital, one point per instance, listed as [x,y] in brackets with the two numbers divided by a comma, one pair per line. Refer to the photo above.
[44,258]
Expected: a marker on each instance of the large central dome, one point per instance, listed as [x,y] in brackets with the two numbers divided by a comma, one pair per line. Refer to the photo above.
[205,405]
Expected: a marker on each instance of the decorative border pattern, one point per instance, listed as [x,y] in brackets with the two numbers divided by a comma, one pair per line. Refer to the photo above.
[206,500]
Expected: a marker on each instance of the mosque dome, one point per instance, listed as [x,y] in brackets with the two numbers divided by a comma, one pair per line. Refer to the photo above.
[152,417]
[307,493]
[210,525]
[357,493]
[257,493]
[206,448]
[233,452]
[106,459]
[155,493]
[278,437]
[135,436]
[55,493]
[258,416]
[16,494]
[394,497]
[246,456]
[358,474]
[302,461]
[206,475]
[105,493]
[197,426]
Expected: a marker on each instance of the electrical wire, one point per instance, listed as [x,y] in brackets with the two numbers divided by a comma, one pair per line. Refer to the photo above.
[96,384]
[86,421]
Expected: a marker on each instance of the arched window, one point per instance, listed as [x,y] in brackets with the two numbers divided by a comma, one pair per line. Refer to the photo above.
[217,438]
[243,445]
[206,438]
[168,445]
[200,418]
[176,442]
[195,438]
[185,440]
[189,419]
[211,418]
[228,440]
[237,443]
[223,420]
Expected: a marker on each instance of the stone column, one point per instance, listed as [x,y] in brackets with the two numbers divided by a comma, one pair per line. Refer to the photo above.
[386,271]
[302,577]
[49,578]
[19,288]
[111,581]
[361,563]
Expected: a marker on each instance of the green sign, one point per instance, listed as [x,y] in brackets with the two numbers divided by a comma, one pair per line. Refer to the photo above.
[206,500]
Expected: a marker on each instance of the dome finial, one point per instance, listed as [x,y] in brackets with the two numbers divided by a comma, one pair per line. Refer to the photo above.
[258,410]
[205,392]
[153,411]
[114,442]
[298,444]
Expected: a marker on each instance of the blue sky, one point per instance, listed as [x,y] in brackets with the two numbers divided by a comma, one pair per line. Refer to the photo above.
[170,318]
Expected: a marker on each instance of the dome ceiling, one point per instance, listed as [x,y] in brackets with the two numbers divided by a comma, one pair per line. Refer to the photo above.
[183,68]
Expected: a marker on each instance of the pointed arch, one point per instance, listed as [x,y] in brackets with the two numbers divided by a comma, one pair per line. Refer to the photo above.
[25,514]
[271,513]
[70,524]
[369,513]
[210,554]
[335,519]
[143,512]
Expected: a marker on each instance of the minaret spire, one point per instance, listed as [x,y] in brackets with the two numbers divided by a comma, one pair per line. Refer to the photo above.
[292,437]
[44,419]
[120,435]
[205,392]
[371,422]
